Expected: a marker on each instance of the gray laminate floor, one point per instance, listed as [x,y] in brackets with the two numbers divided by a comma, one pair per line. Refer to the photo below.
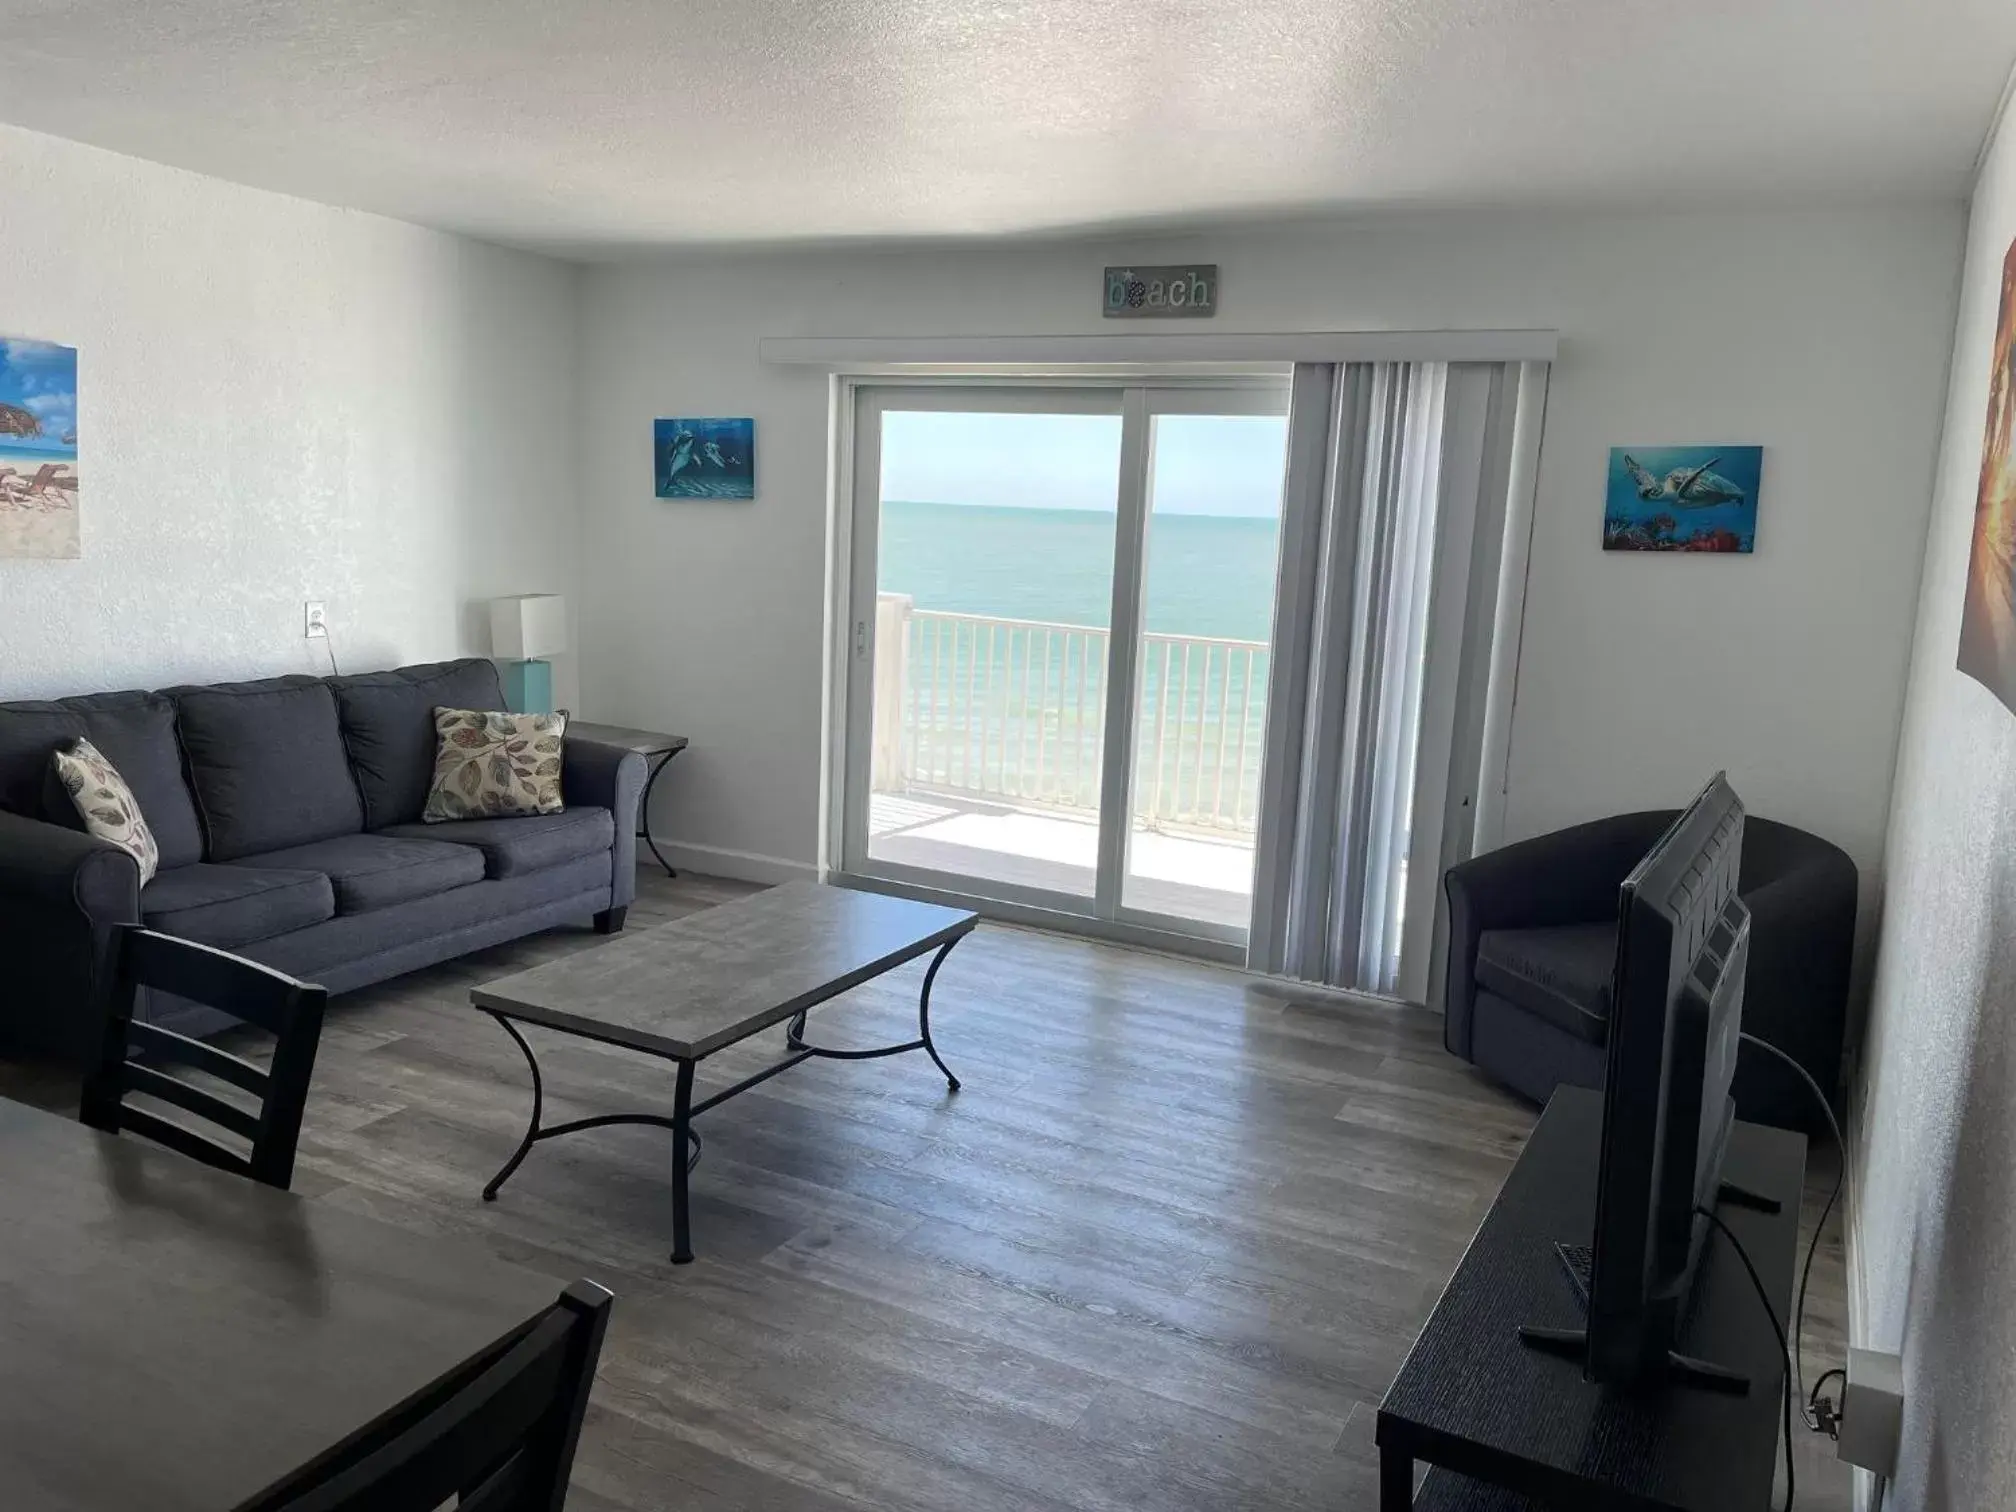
[1162,1253]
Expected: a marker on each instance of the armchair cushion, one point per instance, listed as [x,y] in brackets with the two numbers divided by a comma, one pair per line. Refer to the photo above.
[1561,973]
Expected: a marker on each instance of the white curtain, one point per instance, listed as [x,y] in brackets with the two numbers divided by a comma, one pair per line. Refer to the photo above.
[1393,535]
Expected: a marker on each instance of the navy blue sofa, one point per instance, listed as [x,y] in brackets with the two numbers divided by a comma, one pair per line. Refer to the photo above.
[288,815]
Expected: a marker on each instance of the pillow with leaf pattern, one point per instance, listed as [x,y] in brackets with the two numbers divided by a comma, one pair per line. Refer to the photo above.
[105,804]
[493,766]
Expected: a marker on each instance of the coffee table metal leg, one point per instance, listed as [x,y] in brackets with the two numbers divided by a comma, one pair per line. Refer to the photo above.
[682,1133]
[924,1011]
[531,1129]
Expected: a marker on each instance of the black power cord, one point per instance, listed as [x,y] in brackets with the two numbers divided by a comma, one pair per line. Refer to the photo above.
[1808,1409]
[1825,1413]
[1776,1328]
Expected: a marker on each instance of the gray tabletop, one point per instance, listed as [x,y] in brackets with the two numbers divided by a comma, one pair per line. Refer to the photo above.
[686,989]
[644,742]
[172,1337]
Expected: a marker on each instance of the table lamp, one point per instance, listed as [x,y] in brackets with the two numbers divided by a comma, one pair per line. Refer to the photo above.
[525,629]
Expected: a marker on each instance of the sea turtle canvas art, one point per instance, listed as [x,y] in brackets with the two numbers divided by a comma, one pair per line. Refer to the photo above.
[1682,498]
[38,449]
[704,459]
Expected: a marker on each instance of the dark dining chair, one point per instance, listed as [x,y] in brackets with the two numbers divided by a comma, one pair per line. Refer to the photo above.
[132,1054]
[497,1437]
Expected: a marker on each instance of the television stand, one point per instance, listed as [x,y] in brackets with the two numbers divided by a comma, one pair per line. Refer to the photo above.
[1500,1421]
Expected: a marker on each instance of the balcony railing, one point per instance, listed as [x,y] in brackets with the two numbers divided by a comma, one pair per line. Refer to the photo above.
[1016,709]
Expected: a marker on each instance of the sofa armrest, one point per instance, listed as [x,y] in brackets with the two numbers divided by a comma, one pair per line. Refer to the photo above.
[612,778]
[62,893]
[1568,877]
[48,864]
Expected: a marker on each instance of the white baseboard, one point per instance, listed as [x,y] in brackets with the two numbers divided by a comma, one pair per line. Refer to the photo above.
[720,861]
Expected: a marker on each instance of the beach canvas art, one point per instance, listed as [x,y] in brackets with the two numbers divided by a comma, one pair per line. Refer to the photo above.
[1682,498]
[38,449]
[1987,618]
[704,459]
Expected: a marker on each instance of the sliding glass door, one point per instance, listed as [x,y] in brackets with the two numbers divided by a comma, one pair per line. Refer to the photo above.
[1058,648]
[1210,552]
[993,516]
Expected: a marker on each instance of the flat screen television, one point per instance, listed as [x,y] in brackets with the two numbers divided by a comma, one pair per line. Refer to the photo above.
[1676,1015]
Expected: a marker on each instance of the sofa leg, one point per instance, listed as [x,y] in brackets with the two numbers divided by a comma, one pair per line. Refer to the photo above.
[610,920]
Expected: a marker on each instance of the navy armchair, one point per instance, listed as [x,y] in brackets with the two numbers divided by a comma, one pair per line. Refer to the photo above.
[1533,941]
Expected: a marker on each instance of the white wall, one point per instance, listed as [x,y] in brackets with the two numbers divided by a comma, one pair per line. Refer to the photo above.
[279,401]
[1933,1252]
[1822,335]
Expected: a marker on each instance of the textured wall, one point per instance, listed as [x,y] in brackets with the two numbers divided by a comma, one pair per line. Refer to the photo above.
[279,401]
[1822,335]
[1934,1248]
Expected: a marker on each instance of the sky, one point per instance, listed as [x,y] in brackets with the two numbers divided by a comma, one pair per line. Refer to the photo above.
[42,378]
[1204,464]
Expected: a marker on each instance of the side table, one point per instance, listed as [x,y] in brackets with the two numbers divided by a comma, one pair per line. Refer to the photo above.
[656,748]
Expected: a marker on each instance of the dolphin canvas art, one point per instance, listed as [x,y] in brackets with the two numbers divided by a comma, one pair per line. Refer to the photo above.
[704,459]
[1682,498]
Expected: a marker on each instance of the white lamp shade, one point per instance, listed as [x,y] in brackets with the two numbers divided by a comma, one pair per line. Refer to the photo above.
[528,626]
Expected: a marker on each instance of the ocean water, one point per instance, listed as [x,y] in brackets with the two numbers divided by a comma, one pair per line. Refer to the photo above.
[1020,714]
[1207,575]
[18,452]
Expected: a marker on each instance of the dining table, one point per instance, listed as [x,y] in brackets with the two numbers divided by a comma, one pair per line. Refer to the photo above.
[179,1339]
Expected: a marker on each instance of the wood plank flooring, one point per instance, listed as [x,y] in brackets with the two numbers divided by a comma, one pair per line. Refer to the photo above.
[1163,1253]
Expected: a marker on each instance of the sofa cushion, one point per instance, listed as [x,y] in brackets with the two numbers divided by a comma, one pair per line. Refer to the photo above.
[136,733]
[30,733]
[513,847]
[228,906]
[267,765]
[1560,974]
[388,729]
[377,871]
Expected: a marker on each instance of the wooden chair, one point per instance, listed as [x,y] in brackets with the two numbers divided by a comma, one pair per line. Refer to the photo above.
[498,1437]
[130,1054]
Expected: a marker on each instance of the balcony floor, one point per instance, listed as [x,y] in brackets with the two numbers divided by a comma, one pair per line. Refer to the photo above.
[1183,876]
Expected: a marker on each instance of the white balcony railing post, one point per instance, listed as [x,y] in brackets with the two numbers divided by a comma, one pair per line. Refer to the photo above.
[892,679]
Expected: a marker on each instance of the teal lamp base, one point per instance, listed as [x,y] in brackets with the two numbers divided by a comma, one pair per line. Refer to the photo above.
[528,686]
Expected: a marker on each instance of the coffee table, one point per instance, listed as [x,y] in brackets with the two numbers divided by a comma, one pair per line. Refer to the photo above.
[685,990]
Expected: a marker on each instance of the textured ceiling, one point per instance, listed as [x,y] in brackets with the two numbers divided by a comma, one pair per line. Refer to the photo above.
[600,125]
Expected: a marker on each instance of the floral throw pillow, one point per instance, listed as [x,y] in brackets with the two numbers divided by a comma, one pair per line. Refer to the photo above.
[105,804]
[490,766]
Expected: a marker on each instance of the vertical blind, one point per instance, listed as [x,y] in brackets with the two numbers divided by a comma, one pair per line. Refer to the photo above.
[1393,533]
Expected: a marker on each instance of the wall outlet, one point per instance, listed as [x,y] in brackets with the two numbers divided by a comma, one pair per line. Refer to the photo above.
[1872,1411]
[315,620]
